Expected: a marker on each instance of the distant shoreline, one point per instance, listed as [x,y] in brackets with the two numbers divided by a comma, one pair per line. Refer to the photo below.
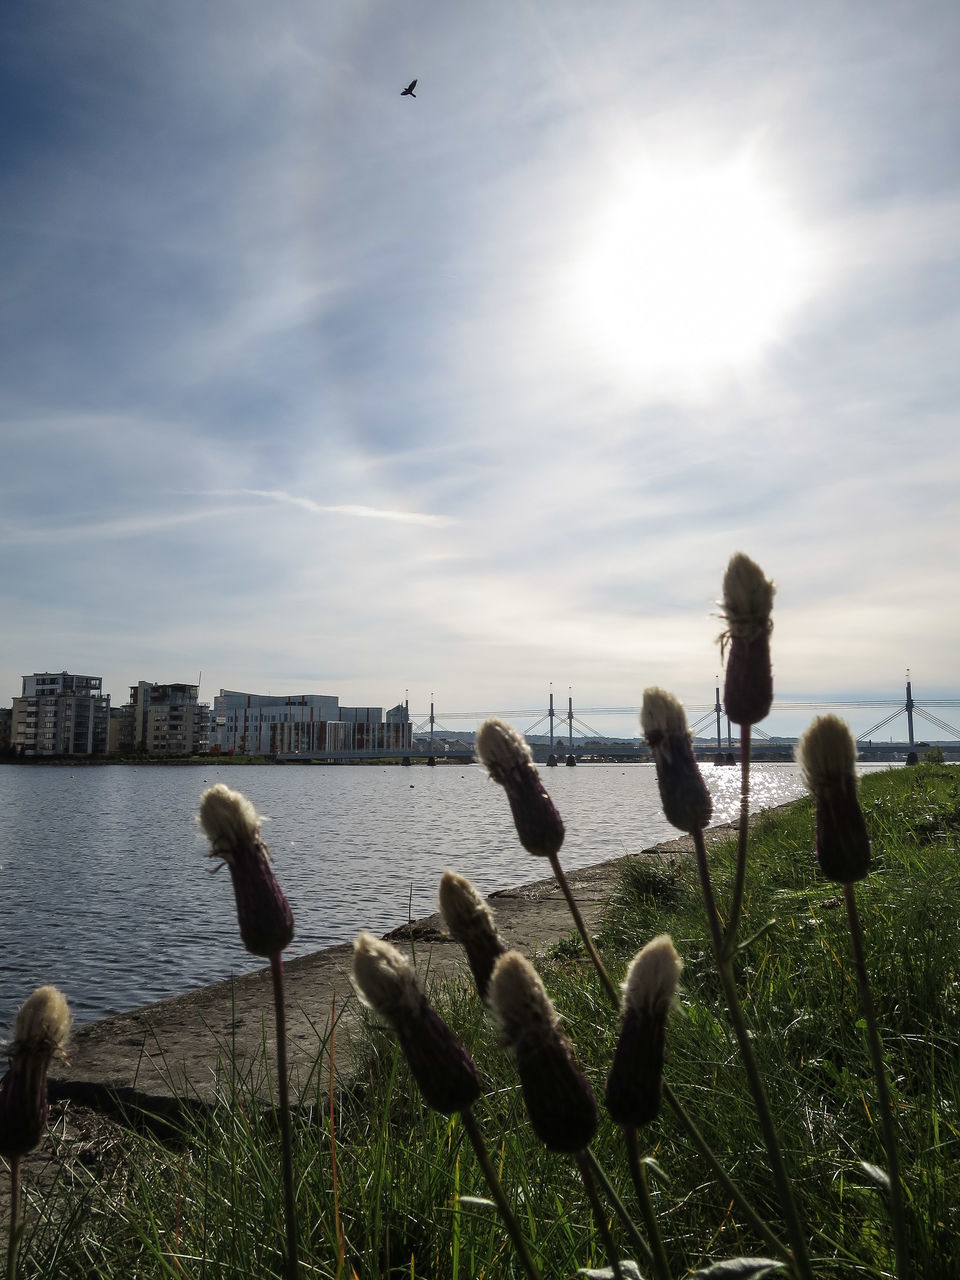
[88,762]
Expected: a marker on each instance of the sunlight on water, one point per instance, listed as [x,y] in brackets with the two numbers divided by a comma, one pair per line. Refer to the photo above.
[105,891]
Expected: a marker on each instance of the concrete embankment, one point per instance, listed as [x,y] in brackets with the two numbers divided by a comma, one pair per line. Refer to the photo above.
[179,1047]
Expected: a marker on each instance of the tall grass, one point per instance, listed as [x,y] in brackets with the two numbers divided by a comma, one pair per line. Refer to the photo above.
[408,1198]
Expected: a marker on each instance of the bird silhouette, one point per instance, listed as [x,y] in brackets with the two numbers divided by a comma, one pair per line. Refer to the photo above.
[408,91]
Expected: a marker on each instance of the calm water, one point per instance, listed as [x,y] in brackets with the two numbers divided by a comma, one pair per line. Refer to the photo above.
[105,892]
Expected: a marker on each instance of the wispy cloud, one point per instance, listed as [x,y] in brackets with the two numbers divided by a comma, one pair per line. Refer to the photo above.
[353,510]
[119,528]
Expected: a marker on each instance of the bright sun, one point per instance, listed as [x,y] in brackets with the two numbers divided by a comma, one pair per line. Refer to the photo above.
[689,274]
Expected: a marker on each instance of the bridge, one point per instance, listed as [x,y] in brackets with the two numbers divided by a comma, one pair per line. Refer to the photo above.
[580,739]
[551,720]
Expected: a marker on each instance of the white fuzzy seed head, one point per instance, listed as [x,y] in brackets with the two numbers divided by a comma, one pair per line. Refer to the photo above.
[470,921]
[747,598]
[43,1023]
[229,820]
[661,716]
[501,748]
[385,979]
[652,978]
[520,1003]
[828,754]
[683,792]
[461,906]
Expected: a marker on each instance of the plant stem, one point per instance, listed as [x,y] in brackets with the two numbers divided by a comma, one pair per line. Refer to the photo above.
[499,1195]
[731,1188]
[582,929]
[883,1091]
[621,1209]
[736,902]
[699,1141]
[778,1168]
[661,1263]
[583,1164]
[13,1242]
[334,1178]
[286,1137]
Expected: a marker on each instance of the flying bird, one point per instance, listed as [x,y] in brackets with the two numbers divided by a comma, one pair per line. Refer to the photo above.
[408,91]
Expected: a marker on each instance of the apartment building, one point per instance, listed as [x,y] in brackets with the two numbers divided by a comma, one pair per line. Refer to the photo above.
[59,713]
[165,720]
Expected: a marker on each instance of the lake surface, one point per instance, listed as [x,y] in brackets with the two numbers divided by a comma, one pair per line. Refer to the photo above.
[105,890]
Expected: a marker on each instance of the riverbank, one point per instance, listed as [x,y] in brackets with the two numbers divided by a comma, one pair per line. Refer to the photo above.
[211,1194]
[144,1066]
[177,1047]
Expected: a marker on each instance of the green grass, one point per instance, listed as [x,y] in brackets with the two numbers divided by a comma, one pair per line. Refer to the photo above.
[408,1192]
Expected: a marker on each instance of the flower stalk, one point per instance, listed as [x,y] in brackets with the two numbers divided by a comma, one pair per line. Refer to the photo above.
[748,691]
[507,756]
[687,805]
[827,752]
[641,1183]
[509,762]
[40,1035]
[599,1217]
[499,1195]
[15,1231]
[560,1102]
[635,1083]
[441,1066]
[733,1191]
[743,829]
[265,918]
[620,1209]
[798,1243]
[897,1210]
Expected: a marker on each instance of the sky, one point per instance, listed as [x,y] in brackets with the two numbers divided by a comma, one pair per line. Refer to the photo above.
[309,387]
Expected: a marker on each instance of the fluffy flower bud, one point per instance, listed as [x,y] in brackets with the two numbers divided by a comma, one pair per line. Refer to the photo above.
[635,1083]
[828,753]
[470,922]
[441,1066]
[747,602]
[509,761]
[233,828]
[683,792]
[40,1034]
[560,1101]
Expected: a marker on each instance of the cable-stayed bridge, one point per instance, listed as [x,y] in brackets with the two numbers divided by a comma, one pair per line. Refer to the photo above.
[709,719]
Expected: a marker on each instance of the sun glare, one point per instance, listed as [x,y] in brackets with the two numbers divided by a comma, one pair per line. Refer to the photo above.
[688,274]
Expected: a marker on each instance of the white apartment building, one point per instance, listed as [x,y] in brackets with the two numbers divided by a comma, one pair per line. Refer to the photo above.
[59,713]
[302,724]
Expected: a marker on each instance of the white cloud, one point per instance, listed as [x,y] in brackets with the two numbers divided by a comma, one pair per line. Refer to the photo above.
[353,510]
[121,527]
